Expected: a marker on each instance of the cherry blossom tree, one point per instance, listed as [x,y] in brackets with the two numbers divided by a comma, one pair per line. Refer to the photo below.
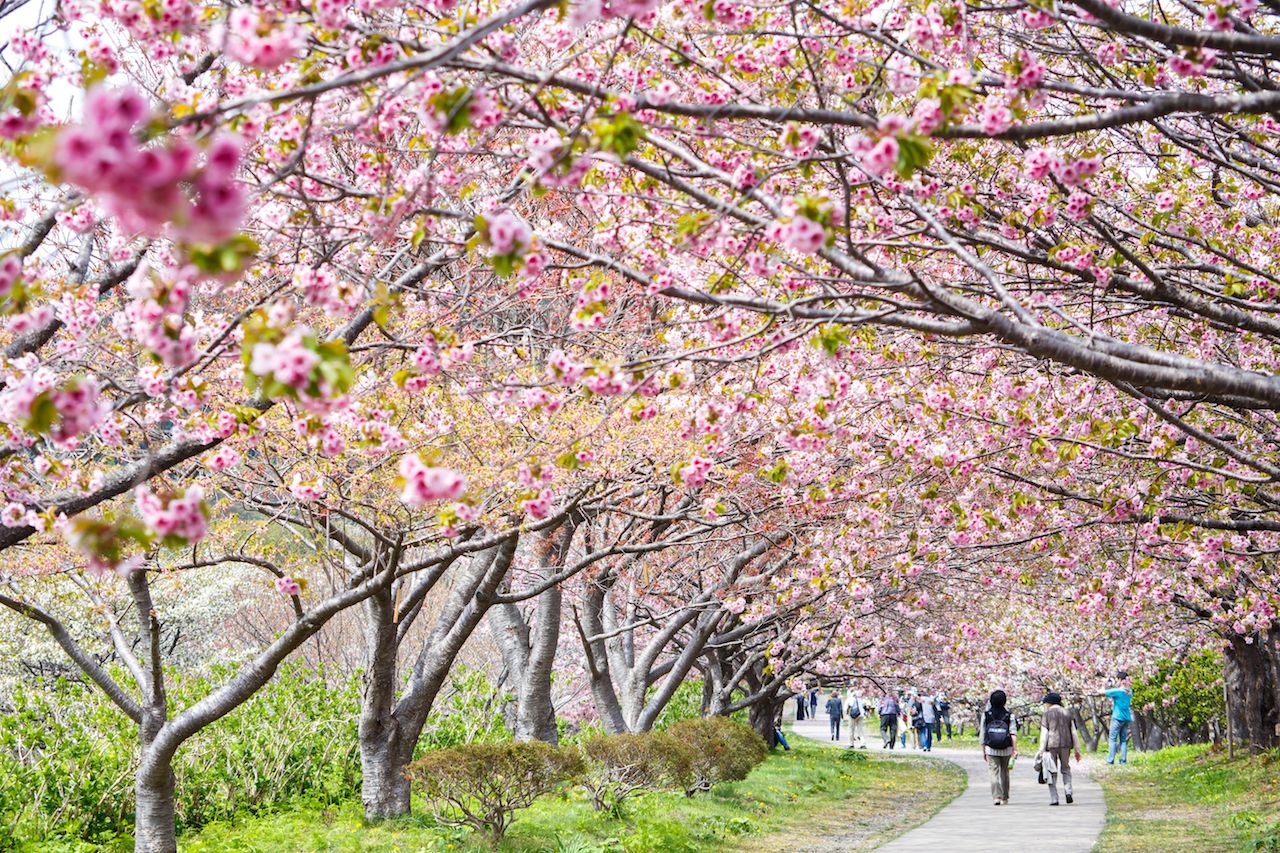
[742,328]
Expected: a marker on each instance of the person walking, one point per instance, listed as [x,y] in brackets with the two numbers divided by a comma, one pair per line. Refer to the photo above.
[835,713]
[999,744]
[944,717]
[1058,739]
[801,700]
[813,702]
[1121,696]
[856,716]
[928,719]
[888,711]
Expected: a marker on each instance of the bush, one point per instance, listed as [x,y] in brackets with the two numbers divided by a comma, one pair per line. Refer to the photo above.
[67,756]
[66,766]
[718,750]
[482,785]
[1182,696]
[620,766]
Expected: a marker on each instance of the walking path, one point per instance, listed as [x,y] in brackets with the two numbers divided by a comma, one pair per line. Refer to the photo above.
[971,824]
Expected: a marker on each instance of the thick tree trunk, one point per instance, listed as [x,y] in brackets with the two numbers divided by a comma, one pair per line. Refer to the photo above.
[762,716]
[1252,694]
[529,651]
[598,664]
[385,787]
[154,818]
[536,715]
[389,733]
[1082,728]
[535,712]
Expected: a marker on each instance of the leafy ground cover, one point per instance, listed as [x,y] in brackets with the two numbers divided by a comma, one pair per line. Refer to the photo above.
[807,794]
[1193,798]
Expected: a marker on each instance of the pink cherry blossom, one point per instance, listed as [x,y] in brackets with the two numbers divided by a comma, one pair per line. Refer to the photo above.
[424,484]
[882,157]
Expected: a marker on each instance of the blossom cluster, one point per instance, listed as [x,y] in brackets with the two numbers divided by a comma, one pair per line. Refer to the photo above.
[63,412]
[259,39]
[424,483]
[155,315]
[149,187]
[174,516]
[290,362]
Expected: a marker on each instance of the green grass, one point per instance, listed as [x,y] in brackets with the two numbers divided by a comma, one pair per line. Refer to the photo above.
[1192,798]
[808,791]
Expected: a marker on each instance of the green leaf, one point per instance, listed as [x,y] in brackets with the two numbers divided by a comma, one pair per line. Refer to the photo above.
[43,414]
[913,153]
[620,134]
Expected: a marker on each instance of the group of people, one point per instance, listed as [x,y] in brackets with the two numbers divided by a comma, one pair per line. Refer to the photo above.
[1059,739]
[837,709]
[921,718]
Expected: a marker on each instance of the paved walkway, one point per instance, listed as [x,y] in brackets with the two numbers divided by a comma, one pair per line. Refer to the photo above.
[971,824]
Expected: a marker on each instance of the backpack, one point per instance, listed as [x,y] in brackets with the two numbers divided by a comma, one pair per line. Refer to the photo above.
[855,709]
[996,733]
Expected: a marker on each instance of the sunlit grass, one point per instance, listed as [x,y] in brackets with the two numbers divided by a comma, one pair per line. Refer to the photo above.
[1192,798]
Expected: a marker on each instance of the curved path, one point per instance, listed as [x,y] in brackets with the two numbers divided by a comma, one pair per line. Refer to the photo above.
[971,824]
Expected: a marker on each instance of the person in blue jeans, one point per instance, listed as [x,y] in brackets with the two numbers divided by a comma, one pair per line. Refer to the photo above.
[1121,697]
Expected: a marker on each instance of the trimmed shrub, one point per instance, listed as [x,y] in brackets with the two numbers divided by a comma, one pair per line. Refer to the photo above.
[719,750]
[621,766]
[482,785]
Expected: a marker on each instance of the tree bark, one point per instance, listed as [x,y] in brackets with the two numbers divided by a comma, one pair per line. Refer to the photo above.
[1248,676]
[535,713]
[384,789]
[762,715]
[154,825]
[389,732]
[154,786]
[530,651]
[590,627]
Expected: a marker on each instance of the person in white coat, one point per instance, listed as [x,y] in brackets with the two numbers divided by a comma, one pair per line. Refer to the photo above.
[857,711]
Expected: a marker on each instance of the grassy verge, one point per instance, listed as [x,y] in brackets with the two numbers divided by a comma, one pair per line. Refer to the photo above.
[809,790]
[1192,798]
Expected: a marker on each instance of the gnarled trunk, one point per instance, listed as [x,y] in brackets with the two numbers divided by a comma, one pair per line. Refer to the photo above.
[530,652]
[762,715]
[384,789]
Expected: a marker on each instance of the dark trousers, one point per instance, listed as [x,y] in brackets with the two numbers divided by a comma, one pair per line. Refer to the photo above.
[889,729]
[835,728]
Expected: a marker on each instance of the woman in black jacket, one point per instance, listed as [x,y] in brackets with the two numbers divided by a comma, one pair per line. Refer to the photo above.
[999,745]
